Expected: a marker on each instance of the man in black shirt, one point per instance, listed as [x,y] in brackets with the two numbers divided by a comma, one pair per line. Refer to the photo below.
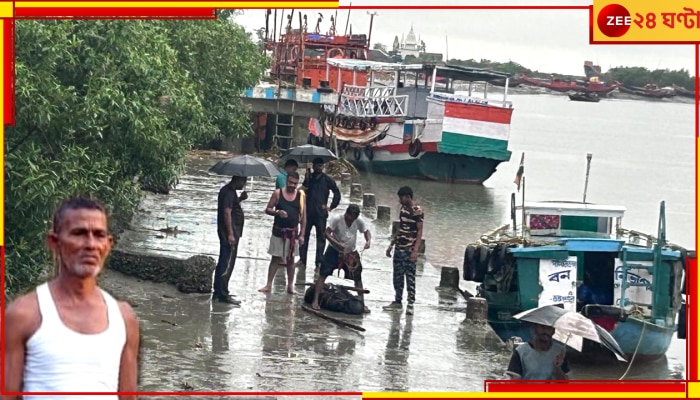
[229,222]
[318,187]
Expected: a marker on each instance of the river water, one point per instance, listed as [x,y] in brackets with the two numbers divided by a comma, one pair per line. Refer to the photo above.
[643,152]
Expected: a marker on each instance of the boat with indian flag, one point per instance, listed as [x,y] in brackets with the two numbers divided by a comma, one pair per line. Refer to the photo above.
[435,122]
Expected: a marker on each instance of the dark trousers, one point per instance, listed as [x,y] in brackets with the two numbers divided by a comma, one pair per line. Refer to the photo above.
[319,223]
[224,268]
[403,266]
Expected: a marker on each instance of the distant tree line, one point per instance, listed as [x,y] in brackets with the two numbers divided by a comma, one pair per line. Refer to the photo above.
[630,76]
[111,107]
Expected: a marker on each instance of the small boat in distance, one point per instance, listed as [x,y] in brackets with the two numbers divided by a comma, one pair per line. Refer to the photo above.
[587,97]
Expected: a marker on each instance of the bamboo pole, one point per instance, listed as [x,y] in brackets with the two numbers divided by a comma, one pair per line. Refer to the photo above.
[332,319]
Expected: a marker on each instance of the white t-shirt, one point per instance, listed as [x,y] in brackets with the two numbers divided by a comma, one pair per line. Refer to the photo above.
[347,235]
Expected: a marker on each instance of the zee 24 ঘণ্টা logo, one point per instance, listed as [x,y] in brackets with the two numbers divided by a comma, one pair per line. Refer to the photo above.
[615,20]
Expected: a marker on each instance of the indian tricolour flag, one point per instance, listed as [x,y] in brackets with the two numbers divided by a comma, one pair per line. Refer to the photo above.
[476,130]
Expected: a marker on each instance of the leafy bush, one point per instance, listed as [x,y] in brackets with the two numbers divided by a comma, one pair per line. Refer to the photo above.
[106,106]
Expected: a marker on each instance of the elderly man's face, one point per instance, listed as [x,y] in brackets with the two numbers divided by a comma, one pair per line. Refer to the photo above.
[82,242]
[543,333]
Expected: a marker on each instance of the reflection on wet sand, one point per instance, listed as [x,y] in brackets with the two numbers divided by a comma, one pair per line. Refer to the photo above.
[396,354]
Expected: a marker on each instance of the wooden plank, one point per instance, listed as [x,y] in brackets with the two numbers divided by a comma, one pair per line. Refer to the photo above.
[332,319]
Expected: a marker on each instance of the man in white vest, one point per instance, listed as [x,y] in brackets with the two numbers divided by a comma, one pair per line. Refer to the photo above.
[69,335]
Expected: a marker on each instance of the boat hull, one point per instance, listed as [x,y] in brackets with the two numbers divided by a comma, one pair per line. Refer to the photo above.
[653,342]
[647,340]
[434,166]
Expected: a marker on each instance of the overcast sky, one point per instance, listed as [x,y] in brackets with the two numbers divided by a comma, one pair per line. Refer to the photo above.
[544,40]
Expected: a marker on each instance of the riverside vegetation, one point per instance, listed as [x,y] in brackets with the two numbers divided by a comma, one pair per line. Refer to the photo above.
[112,107]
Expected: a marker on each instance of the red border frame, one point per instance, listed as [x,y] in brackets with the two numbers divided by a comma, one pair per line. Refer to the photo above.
[208,13]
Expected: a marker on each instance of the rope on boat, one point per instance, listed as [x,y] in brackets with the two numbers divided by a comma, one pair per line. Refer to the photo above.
[641,335]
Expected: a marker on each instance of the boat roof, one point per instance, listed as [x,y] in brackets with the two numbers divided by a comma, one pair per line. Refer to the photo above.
[469,74]
[361,65]
[573,208]
[447,71]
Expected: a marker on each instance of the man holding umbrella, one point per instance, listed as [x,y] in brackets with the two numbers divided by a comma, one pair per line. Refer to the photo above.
[230,215]
[229,222]
[318,186]
[540,358]
[545,359]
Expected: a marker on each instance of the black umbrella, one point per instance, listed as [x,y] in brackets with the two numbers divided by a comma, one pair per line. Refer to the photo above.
[307,153]
[571,328]
[245,166]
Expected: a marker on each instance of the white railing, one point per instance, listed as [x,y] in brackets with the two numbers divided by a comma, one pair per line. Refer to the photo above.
[361,101]
[470,100]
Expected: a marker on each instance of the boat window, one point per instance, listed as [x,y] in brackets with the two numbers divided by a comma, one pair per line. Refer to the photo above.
[543,221]
[586,224]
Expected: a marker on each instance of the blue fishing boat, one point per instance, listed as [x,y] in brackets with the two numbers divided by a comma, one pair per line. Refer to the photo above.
[578,255]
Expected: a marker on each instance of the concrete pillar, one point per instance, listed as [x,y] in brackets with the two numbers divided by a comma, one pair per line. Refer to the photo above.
[477,309]
[368,201]
[383,213]
[449,277]
[356,190]
[345,179]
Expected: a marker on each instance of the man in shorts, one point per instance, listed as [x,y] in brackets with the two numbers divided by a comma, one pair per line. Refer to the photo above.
[288,207]
[341,252]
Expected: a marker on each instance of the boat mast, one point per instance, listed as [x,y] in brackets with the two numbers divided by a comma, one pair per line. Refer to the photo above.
[348,21]
[371,20]
[522,223]
[588,170]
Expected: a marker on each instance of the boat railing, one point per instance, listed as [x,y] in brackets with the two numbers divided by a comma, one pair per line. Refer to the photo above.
[642,239]
[460,98]
[371,91]
[359,101]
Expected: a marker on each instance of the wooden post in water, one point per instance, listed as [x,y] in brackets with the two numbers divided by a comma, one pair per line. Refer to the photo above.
[368,201]
[356,190]
[345,179]
[383,213]
[449,277]
[477,309]
[588,170]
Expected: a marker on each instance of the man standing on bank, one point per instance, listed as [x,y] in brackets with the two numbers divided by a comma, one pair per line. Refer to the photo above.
[287,206]
[318,188]
[69,335]
[229,222]
[289,166]
[341,251]
[407,244]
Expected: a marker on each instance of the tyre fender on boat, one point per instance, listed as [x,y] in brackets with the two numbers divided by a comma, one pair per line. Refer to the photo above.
[469,264]
[482,264]
[294,54]
[369,152]
[498,258]
[335,52]
[415,148]
[358,154]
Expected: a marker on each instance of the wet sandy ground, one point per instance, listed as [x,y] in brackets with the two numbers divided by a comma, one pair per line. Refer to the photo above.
[269,344]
